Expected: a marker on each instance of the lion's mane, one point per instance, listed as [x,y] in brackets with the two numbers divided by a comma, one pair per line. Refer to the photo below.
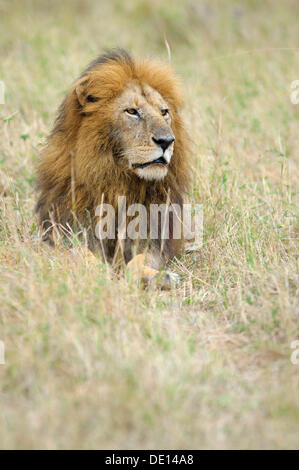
[75,174]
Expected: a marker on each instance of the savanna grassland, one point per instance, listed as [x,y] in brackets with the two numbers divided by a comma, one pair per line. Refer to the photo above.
[95,362]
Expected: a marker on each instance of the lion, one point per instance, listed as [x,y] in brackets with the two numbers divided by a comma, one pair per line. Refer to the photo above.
[118,132]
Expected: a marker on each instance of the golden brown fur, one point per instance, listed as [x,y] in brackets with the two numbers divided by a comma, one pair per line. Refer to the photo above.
[86,157]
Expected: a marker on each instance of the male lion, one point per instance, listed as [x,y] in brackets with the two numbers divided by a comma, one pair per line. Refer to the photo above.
[118,133]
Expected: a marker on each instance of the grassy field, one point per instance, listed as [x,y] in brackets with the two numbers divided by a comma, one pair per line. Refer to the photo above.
[97,363]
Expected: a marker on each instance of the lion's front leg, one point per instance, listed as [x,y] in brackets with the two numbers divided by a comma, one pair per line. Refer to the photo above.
[140,268]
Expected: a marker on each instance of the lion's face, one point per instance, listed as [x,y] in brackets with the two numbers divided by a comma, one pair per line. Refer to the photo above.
[142,119]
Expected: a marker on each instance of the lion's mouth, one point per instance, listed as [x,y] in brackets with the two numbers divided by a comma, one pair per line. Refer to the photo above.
[159,161]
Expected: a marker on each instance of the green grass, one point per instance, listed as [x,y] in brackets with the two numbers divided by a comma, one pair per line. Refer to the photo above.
[98,363]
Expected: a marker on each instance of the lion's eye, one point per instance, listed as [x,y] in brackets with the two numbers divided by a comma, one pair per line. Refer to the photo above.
[164,112]
[132,111]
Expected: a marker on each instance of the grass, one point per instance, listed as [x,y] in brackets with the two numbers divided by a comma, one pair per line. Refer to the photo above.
[97,363]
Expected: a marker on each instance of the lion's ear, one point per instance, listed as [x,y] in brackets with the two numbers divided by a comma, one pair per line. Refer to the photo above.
[82,92]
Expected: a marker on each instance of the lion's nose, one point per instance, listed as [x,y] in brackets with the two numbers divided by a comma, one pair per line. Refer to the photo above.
[163,142]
